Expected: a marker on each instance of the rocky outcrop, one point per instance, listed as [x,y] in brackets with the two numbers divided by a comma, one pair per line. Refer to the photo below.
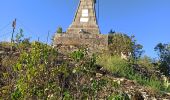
[142,70]
[136,91]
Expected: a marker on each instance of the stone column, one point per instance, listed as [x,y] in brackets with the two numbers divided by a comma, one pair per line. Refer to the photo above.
[85,18]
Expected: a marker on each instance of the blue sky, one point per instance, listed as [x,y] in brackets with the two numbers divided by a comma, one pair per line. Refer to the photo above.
[148,20]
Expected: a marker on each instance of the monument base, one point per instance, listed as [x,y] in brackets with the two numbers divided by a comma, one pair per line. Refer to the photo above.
[93,43]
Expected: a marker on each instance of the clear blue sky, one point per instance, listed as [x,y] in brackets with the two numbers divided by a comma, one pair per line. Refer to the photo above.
[148,20]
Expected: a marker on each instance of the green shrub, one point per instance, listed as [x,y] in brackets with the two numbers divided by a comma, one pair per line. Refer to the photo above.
[67,96]
[146,62]
[19,36]
[122,68]
[59,30]
[152,82]
[120,96]
[35,73]
[77,55]
[115,84]
[115,64]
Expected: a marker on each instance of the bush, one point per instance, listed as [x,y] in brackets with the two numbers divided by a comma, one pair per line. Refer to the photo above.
[152,82]
[115,64]
[163,51]
[59,30]
[122,68]
[36,77]
[146,62]
[119,43]
[77,55]
[120,96]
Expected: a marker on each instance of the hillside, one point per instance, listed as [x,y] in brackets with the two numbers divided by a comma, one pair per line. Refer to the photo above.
[36,71]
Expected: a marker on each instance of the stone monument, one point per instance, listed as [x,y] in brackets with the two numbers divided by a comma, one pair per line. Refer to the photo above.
[83,32]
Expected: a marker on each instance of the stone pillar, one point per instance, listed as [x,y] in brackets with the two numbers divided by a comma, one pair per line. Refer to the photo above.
[85,18]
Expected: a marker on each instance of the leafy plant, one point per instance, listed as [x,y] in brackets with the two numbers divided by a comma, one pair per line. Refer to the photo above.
[19,36]
[120,43]
[163,51]
[77,55]
[115,64]
[67,96]
[146,62]
[34,71]
[123,44]
[120,96]
[122,68]
[59,30]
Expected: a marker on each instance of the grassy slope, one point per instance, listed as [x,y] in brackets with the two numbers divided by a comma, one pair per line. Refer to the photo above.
[116,79]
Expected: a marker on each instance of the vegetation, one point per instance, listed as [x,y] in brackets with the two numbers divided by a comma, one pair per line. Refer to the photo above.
[33,70]
[123,44]
[123,68]
[36,75]
[121,96]
[163,51]
[120,43]
[146,62]
[114,64]
[59,30]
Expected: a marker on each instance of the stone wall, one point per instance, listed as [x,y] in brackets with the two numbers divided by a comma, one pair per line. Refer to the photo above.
[69,42]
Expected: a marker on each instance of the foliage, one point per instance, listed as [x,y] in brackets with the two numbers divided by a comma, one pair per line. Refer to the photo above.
[163,51]
[137,50]
[19,36]
[21,42]
[38,72]
[77,55]
[122,68]
[111,32]
[5,44]
[119,43]
[152,82]
[85,70]
[114,64]
[120,96]
[123,44]
[35,76]
[59,30]
[147,62]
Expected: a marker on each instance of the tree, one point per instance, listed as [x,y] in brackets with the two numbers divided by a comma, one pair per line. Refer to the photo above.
[121,43]
[163,51]
[146,62]
[112,32]
[59,30]
[19,36]
[137,49]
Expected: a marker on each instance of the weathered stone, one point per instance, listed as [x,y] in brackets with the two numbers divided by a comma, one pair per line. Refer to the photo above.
[85,18]
[2,52]
[93,42]
[83,32]
[86,10]
[137,96]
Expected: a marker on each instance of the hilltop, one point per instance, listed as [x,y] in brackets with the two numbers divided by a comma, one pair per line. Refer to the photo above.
[37,71]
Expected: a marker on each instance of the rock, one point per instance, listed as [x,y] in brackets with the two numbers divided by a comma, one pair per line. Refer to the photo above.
[2,52]
[168,94]
[99,75]
[153,98]
[137,96]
